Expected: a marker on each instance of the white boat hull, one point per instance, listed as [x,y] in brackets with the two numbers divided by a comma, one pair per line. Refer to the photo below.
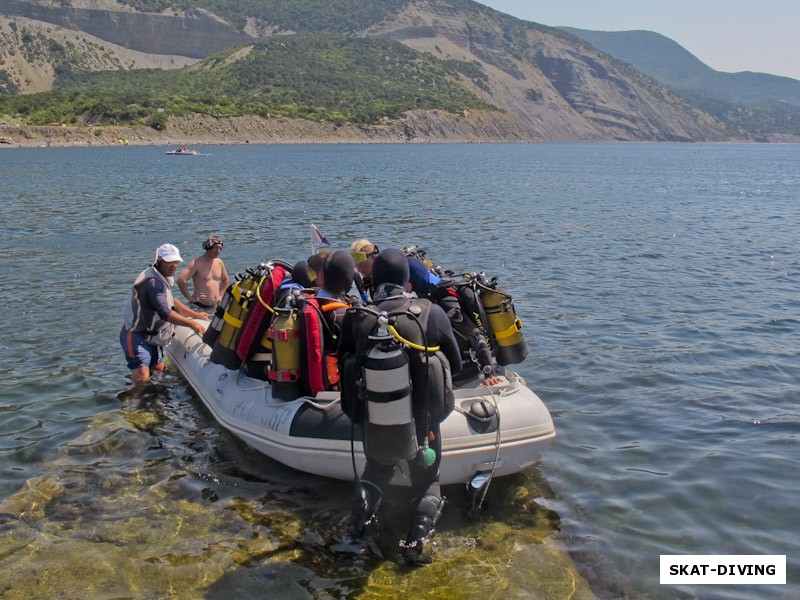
[313,435]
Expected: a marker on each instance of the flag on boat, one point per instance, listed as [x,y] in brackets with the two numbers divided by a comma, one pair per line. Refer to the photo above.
[317,239]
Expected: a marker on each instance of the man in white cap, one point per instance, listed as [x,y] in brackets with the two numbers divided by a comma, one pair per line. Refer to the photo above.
[151,314]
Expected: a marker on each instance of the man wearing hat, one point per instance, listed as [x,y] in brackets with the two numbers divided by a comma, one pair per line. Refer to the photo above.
[151,314]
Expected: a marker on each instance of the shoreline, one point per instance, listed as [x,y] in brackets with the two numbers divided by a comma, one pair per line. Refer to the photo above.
[203,130]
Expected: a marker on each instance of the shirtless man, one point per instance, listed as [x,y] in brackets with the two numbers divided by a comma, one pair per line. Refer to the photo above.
[209,277]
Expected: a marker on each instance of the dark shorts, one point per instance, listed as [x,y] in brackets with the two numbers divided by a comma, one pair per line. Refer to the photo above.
[198,307]
[138,352]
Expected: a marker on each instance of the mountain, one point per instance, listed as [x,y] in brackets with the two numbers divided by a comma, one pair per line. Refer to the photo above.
[749,102]
[516,80]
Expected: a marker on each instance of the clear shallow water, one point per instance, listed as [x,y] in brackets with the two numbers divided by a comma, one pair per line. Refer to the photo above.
[657,284]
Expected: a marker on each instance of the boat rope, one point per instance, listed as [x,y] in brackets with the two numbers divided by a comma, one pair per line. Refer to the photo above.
[497,448]
[186,350]
[497,440]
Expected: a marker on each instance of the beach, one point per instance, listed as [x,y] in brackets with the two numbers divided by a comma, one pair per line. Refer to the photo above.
[196,129]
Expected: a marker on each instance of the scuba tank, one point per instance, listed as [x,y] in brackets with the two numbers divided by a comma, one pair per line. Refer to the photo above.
[301,366]
[503,324]
[492,310]
[212,331]
[253,346]
[385,391]
[284,372]
[243,295]
[259,357]
[259,315]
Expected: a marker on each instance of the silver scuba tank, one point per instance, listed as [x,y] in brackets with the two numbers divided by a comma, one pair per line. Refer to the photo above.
[389,429]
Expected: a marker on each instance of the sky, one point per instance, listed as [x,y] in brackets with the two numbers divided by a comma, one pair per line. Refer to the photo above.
[727,35]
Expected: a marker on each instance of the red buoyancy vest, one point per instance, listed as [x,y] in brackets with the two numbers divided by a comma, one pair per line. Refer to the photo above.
[315,361]
[259,315]
[321,371]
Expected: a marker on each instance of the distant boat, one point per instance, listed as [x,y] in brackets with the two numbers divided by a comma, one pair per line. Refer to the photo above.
[183,151]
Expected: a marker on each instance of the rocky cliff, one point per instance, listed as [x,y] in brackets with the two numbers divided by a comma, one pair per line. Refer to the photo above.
[549,86]
[553,87]
[195,34]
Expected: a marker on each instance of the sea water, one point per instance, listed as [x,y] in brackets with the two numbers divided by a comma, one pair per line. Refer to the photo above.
[658,287]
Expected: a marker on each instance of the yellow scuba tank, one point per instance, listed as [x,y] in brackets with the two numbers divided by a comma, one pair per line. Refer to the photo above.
[243,295]
[503,325]
[284,336]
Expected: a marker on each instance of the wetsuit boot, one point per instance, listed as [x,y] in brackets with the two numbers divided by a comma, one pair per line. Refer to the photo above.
[427,513]
[365,505]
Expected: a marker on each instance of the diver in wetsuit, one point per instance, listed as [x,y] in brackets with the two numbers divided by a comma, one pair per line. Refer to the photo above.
[427,327]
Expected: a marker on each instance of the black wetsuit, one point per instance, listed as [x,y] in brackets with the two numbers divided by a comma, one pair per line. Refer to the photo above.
[475,352]
[424,480]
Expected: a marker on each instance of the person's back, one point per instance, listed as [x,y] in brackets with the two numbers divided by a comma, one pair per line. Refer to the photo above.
[432,352]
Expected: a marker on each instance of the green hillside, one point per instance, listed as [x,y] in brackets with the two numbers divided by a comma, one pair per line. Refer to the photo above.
[332,16]
[320,77]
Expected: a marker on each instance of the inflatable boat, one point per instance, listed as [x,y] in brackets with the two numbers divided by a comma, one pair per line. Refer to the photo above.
[493,431]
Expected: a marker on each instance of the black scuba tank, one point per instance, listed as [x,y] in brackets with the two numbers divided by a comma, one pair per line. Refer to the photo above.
[389,429]
[212,331]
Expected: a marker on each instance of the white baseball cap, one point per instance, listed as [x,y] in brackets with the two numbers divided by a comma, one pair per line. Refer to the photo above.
[168,253]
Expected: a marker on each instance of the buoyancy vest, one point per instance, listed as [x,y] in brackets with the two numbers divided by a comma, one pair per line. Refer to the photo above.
[303,361]
[144,319]
[330,340]
[492,310]
[223,352]
[430,382]
[258,318]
